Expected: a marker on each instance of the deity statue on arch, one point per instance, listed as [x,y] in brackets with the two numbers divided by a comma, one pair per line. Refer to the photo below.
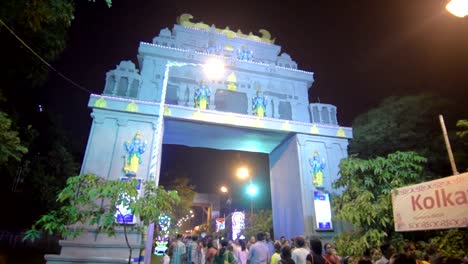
[259,104]
[133,158]
[202,96]
[317,166]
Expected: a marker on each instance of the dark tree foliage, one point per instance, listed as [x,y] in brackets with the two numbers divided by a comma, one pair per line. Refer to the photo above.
[33,183]
[408,123]
[186,192]
[43,26]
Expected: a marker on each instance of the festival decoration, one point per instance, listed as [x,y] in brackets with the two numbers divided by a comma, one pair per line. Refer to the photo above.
[184,20]
[132,107]
[314,129]
[232,82]
[101,103]
[238,224]
[164,222]
[340,132]
[220,224]
[160,247]
[124,214]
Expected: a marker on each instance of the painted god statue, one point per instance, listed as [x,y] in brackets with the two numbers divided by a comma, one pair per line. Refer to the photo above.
[317,166]
[202,96]
[244,54]
[259,103]
[133,159]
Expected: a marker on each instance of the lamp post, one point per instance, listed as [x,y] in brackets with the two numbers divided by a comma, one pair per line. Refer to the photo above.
[224,190]
[252,190]
[213,68]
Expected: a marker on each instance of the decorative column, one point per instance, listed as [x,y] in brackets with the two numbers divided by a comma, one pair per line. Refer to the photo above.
[181,96]
[275,106]
[319,109]
[117,80]
[212,105]
[268,107]
[249,103]
[129,85]
[191,97]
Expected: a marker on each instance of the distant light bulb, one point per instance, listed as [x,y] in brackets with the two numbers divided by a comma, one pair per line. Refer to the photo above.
[224,189]
[458,8]
[243,173]
[252,190]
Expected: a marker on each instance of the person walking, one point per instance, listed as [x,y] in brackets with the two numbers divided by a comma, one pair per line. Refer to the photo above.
[315,256]
[258,252]
[300,253]
[210,252]
[276,256]
[286,255]
[242,252]
[330,254]
[224,255]
[178,251]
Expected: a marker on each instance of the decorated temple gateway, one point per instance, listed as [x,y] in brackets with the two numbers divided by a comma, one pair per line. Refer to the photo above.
[259,103]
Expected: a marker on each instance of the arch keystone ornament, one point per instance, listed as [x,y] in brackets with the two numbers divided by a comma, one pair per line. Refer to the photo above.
[314,129]
[101,103]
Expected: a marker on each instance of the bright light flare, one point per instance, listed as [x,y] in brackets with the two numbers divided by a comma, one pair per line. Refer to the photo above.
[224,189]
[458,8]
[243,173]
[214,69]
[252,190]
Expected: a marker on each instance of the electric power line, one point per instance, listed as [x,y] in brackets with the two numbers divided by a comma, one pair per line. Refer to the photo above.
[44,61]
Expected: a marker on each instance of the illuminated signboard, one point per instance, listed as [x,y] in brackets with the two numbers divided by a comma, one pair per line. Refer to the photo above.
[220,224]
[160,247]
[323,219]
[123,214]
[237,224]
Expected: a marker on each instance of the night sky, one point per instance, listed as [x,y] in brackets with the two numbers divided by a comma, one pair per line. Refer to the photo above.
[360,52]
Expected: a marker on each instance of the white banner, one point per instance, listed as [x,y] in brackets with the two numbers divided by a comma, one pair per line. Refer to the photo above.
[437,204]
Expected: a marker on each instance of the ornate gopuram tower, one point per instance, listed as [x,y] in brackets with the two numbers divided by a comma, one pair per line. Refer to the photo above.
[259,104]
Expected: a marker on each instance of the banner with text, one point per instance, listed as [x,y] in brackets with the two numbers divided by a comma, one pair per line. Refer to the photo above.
[437,204]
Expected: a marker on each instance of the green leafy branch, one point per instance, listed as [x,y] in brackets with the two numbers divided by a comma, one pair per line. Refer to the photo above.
[89,200]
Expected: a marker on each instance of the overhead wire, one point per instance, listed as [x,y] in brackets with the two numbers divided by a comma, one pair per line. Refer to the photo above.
[43,60]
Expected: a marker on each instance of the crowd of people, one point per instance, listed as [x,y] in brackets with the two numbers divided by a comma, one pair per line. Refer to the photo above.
[263,250]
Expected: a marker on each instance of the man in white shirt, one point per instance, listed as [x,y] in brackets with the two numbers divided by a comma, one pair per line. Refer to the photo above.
[387,252]
[300,253]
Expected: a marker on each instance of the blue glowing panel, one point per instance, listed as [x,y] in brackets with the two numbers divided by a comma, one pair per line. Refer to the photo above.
[194,134]
[323,220]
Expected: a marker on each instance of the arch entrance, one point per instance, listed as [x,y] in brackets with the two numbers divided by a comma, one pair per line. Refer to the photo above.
[157,105]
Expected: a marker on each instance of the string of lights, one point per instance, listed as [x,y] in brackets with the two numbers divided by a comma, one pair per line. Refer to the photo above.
[43,60]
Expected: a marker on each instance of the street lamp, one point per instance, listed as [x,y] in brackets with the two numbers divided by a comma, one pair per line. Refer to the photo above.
[458,8]
[223,189]
[226,207]
[213,68]
[243,173]
[252,190]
